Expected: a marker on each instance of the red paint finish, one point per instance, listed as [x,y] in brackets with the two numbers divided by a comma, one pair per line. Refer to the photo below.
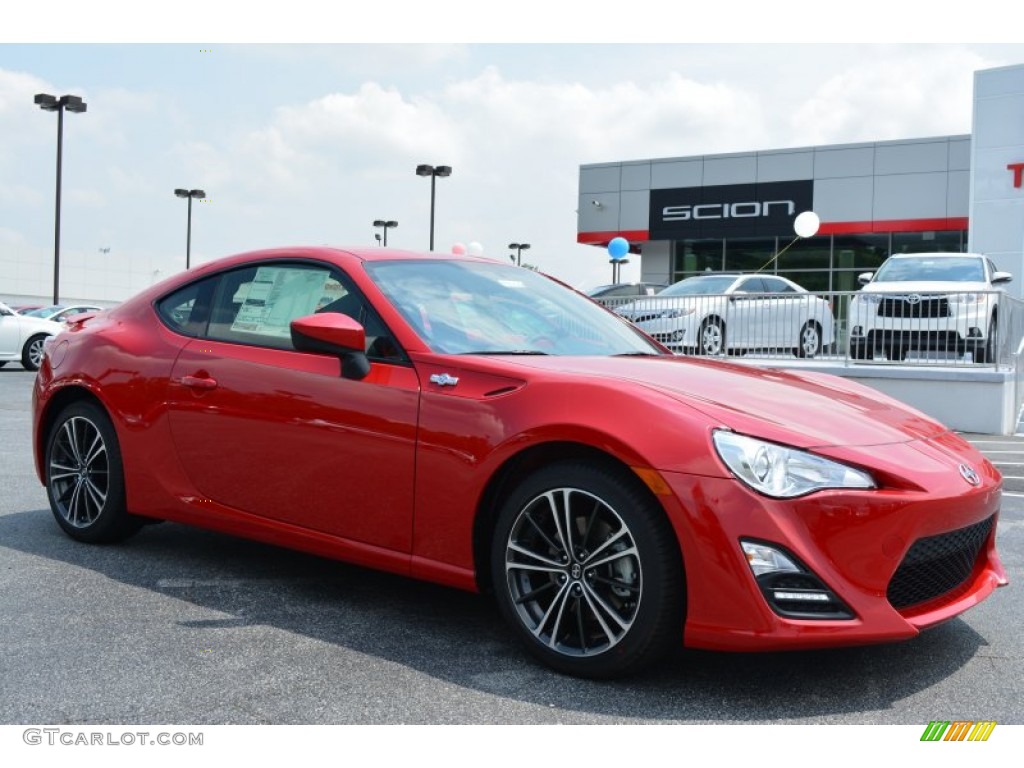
[948,224]
[392,470]
[1018,174]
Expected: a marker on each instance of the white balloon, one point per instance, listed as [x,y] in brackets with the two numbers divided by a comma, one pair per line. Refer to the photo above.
[475,249]
[806,224]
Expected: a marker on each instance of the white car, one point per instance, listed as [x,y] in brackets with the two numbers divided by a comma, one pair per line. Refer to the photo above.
[717,312]
[22,337]
[62,312]
[928,302]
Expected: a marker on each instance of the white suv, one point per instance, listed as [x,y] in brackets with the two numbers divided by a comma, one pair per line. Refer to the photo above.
[22,337]
[928,302]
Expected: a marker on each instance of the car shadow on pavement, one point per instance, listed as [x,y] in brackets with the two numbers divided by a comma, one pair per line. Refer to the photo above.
[226,589]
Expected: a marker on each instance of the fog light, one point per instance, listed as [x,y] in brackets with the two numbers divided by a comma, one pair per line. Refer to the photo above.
[764,559]
[807,597]
[678,335]
[974,333]
[789,587]
[857,331]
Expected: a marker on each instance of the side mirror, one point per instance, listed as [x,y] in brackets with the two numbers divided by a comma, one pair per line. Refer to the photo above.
[1001,277]
[865,277]
[331,333]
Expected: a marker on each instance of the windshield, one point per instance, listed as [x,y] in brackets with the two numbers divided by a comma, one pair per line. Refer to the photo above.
[467,307]
[940,269]
[700,286]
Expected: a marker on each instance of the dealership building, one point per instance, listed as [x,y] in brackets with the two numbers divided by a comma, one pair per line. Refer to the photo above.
[688,215]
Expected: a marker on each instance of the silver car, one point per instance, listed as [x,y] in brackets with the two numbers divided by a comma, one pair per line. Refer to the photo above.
[717,312]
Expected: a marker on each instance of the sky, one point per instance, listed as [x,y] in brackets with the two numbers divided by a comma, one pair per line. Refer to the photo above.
[304,130]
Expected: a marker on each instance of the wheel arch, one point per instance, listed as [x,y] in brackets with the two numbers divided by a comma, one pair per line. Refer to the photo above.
[60,400]
[518,467]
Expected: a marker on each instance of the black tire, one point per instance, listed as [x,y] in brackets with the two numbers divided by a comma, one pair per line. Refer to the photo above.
[3,363]
[858,351]
[609,603]
[987,353]
[711,337]
[896,354]
[85,476]
[32,352]
[808,344]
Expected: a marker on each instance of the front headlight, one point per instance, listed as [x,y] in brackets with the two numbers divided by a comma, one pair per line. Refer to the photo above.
[782,472]
[677,312]
[965,298]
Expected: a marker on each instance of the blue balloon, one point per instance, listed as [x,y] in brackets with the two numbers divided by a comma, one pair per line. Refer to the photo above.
[618,248]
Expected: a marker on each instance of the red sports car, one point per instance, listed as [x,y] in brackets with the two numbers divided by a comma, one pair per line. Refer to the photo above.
[482,426]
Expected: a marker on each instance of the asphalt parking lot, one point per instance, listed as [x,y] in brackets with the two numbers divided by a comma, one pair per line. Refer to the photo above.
[184,626]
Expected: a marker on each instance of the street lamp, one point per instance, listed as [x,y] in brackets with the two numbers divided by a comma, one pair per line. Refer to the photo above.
[189,194]
[386,226]
[519,248]
[49,103]
[433,172]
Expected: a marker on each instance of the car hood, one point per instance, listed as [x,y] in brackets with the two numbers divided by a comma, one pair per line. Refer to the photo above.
[654,303]
[924,286]
[801,409]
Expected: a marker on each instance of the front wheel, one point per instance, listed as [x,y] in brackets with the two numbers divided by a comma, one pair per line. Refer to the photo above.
[32,352]
[587,571]
[987,354]
[84,476]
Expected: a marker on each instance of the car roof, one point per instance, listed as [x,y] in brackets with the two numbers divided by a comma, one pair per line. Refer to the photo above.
[936,255]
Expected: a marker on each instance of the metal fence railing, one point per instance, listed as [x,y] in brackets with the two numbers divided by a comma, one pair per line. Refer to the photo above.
[971,329]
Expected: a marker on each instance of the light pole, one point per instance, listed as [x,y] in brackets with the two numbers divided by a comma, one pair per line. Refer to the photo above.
[519,248]
[189,194]
[50,103]
[433,172]
[386,225]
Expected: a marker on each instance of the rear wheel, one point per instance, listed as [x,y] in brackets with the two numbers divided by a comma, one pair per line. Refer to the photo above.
[84,476]
[711,337]
[32,352]
[809,342]
[587,571]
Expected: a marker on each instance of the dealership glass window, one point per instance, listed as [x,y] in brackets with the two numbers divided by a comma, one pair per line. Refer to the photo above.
[854,254]
[804,253]
[749,254]
[819,264]
[814,280]
[923,242]
[696,256]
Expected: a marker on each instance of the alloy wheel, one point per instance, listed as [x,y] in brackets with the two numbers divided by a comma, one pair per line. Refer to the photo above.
[573,572]
[79,472]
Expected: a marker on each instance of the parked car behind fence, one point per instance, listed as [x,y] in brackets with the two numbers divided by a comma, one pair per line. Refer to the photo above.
[717,313]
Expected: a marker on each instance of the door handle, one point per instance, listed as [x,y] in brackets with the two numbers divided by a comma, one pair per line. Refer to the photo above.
[199,382]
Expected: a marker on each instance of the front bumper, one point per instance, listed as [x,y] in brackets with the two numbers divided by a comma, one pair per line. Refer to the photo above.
[855,542]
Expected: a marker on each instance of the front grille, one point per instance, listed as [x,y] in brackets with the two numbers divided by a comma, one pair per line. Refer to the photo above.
[914,306]
[937,565]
